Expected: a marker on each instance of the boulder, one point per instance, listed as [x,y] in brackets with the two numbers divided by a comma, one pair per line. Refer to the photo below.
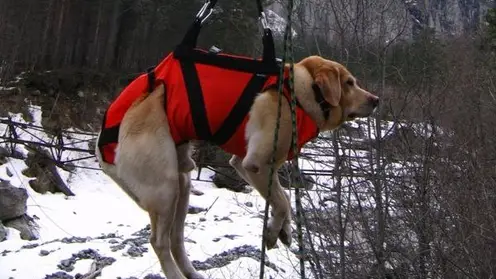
[205,154]
[3,232]
[12,201]
[227,177]
[285,178]
[42,166]
[7,152]
[26,226]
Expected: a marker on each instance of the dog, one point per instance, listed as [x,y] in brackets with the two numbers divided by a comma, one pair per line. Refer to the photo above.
[152,167]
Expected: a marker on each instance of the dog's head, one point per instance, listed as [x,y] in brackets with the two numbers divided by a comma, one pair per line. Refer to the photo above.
[339,89]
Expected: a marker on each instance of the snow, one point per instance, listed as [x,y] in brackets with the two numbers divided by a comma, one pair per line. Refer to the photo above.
[99,208]
[231,220]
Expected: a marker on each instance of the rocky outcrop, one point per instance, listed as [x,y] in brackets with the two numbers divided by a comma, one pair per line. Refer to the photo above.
[13,212]
[12,201]
[26,226]
[226,177]
[42,166]
[3,232]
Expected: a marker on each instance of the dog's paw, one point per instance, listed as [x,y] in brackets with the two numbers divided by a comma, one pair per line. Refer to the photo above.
[272,234]
[285,235]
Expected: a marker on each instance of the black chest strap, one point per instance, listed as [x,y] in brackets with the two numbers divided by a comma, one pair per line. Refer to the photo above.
[198,110]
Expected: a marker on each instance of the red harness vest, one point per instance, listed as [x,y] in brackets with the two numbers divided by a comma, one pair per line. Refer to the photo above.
[203,101]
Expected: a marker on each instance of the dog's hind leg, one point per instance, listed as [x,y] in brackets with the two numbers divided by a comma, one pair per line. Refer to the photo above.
[160,199]
[184,161]
[177,237]
[146,161]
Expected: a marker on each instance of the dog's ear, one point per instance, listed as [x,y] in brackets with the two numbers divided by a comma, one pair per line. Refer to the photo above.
[329,83]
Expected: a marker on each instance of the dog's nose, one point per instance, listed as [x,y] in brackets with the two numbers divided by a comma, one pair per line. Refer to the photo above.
[374,100]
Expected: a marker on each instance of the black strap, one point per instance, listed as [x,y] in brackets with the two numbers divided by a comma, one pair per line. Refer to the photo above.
[151,79]
[247,65]
[191,37]
[107,135]
[259,7]
[269,51]
[240,109]
[196,101]
[325,107]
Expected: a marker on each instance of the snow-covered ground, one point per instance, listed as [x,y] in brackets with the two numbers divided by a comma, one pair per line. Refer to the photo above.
[102,218]
[223,239]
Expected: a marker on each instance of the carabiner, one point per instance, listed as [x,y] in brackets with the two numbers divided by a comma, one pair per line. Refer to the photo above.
[263,20]
[205,11]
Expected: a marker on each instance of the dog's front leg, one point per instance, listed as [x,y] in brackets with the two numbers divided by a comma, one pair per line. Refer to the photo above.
[280,223]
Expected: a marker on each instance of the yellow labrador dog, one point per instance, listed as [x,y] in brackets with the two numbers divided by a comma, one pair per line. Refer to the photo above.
[154,171]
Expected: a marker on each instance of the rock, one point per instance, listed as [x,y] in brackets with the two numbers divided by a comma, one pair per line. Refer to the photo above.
[30,246]
[4,153]
[100,261]
[224,258]
[12,201]
[136,251]
[44,253]
[225,218]
[196,192]
[285,178]
[42,166]
[195,209]
[26,225]
[9,172]
[74,239]
[249,204]
[227,177]
[59,275]
[153,276]
[231,236]
[92,146]
[3,232]
[203,219]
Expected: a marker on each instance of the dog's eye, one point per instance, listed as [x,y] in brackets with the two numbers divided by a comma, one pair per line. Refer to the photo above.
[350,82]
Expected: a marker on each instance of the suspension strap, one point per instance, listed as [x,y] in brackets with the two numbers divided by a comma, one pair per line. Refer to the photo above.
[196,102]
[191,37]
[150,72]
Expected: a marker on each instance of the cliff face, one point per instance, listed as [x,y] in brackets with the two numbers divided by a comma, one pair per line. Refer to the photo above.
[403,18]
[448,17]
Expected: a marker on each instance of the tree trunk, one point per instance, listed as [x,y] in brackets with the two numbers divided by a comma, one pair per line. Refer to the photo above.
[111,50]
[42,58]
[59,34]
[342,229]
